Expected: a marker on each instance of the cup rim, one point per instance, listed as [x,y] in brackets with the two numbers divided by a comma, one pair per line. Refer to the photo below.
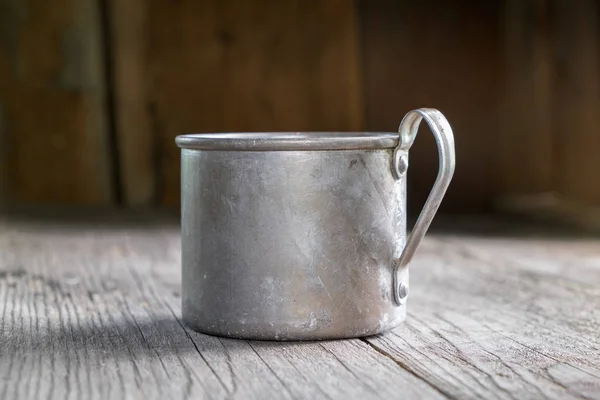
[279,141]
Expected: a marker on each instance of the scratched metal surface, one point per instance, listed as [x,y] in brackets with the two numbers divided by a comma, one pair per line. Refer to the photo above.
[288,244]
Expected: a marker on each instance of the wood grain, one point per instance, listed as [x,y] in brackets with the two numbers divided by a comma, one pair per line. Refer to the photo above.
[515,320]
[444,55]
[52,103]
[230,65]
[93,310]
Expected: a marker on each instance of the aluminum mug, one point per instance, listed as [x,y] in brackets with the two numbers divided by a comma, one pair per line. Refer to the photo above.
[301,236]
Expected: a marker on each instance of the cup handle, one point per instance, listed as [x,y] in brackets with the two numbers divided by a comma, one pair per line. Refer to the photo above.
[445,142]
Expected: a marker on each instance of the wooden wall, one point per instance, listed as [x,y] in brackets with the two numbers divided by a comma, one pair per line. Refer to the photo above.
[93,92]
[53,111]
[214,65]
[441,54]
[549,164]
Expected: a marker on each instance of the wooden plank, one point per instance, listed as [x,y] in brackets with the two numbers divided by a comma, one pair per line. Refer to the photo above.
[577,100]
[136,141]
[444,55]
[228,65]
[525,157]
[52,100]
[93,310]
[3,159]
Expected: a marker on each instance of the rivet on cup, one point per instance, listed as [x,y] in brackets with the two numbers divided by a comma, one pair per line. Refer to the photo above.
[400,164]
[402,292]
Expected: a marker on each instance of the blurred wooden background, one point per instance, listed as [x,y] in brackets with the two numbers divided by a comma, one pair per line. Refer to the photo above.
[93,92]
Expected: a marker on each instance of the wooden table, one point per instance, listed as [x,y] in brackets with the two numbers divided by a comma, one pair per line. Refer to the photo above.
[92,310]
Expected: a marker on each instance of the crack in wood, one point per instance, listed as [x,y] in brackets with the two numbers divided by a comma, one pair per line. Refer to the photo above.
[272,371]
[429,356]
[408,369]
[197,349]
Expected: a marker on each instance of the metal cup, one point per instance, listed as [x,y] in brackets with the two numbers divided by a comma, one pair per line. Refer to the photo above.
[301,236]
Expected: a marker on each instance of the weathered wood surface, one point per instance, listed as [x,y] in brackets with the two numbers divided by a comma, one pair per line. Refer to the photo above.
[92,311]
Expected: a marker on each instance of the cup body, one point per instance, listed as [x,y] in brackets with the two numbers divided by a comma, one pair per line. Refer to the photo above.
[291,244]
